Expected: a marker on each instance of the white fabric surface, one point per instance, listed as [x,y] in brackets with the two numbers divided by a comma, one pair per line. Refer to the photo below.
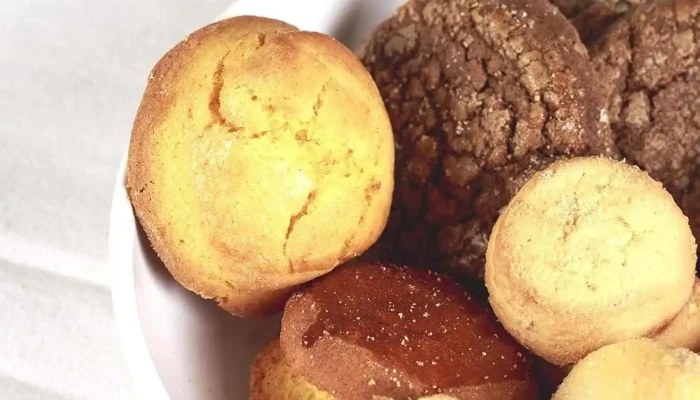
[71,76]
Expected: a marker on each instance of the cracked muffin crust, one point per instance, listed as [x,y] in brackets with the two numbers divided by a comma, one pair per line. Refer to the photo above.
[370,329]
[649,64]
[261,157]
[481,94]
[591,251]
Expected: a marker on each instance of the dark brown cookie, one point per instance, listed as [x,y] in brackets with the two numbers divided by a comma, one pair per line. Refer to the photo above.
[594,19]
[572,8]
[481,94]
[649,69]
[369,330]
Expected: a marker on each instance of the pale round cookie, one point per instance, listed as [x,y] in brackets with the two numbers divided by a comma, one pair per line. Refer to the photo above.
[591,251]
[638,369]
[261,157]
[684,330]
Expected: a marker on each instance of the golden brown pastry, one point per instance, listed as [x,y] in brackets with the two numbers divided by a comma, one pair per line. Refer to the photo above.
[382,330]
[272,379]
[684,329]
[638,369]
[590,252]
[261,157]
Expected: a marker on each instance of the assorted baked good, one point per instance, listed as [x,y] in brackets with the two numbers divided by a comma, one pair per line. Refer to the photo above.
[592,18]
[684,329]
[564,291]
[481,94]
[638,369]
[649,69]
[485,136]
[370,329]
[254,143]
[272,378]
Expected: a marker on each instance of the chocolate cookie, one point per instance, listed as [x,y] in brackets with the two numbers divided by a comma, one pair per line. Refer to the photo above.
[572,8]
[481,94]
[649,69]
[596,16]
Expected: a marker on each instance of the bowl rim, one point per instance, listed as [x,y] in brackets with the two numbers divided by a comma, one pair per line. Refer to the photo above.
[144,377]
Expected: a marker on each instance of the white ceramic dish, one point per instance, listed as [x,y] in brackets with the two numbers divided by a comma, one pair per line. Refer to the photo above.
[176,345]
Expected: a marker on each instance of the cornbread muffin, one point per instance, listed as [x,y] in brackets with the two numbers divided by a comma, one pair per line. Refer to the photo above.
[273,379]
[649,64]
[261,157]
[481,94]
[638,369]
[684,329]
[383,330]
[590,252]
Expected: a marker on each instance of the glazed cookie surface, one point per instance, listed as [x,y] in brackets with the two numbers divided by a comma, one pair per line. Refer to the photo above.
[481,94]
[590,252]
[383,330]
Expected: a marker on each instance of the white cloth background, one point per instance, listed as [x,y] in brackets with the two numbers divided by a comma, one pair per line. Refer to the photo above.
[71,76]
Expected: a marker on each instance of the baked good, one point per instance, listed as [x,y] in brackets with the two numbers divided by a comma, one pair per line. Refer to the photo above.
[592,18]
[595,20]
[590,252]
[572,8]
[272,378]
[684,329]
[638,369]
[260,158]
[370,329]
[649,64]
[481,94]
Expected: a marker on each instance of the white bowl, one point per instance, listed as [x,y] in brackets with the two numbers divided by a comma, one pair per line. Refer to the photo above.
[176,345]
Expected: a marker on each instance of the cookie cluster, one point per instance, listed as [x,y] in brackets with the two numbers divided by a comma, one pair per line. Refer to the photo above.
[492,199]
[483,94]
